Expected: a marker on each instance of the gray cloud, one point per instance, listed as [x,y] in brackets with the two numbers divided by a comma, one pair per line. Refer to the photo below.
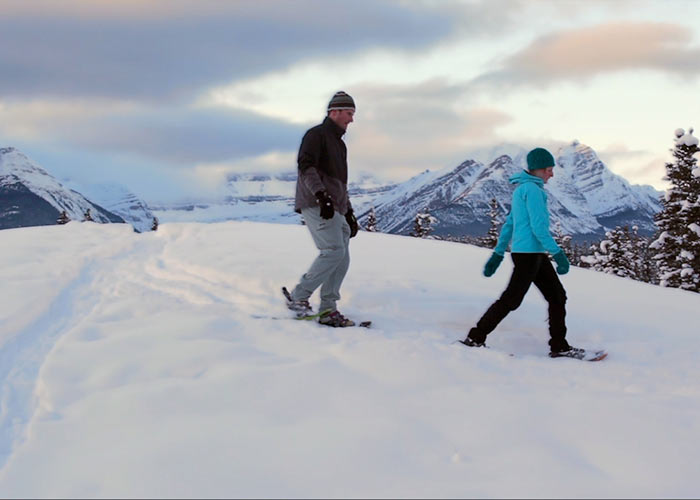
[52,48]
[181,136]
[184,137]
[413,127]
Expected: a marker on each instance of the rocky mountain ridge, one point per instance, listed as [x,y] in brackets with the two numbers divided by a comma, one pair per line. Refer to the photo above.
[30,196]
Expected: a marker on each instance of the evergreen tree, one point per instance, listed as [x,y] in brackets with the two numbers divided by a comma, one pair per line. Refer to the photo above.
[597,258]
[564,241]
[422,224]
[63,218]
[594,258]
[645,266]
[677,246]
[621,253]
[371,224]
[491,238]
[577,252]
[87,217]
[613,255]
[155,224]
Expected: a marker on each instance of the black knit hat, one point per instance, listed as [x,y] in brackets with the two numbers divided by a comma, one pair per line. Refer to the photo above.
[539,158]
[341,100]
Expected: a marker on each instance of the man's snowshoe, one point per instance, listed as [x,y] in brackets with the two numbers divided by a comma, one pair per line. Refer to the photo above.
[301,308]
[335,319]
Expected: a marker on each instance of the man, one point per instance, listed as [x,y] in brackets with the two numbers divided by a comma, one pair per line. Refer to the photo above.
[322,199]
[527,225]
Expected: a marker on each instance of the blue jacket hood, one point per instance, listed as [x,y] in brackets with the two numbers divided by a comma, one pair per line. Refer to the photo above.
[523,177]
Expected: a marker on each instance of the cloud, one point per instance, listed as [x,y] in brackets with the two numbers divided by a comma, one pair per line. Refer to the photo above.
[402,129]
[620,150]
[172,49]
[645,166]
[409,128]
[181,136]
[581,54]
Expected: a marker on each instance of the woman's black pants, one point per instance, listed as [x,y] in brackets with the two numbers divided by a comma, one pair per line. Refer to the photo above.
[528,268]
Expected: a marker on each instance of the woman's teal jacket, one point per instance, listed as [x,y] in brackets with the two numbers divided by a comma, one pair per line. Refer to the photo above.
[527,223]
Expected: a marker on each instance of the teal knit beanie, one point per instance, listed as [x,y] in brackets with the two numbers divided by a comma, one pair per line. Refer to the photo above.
[539,158]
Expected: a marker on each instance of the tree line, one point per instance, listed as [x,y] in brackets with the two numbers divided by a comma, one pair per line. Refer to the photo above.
[63,218]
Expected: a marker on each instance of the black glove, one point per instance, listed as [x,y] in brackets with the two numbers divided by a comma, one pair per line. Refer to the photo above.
[326,203]
[352,222]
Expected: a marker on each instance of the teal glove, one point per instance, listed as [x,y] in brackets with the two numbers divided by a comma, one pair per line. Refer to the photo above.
[562,262]
[492,264]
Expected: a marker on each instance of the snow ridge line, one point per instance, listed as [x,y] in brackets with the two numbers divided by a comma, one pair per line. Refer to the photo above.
[21,359]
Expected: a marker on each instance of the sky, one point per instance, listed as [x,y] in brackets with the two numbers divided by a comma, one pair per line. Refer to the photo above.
[168,97]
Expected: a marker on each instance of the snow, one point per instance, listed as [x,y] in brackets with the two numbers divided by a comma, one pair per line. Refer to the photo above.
[695,228]
[148,365]
[117,199]
[277,211]
[688,140]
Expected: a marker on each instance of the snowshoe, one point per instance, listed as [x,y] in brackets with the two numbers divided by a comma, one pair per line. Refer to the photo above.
[472,343]
[301,308]
[335,319]
[578,353]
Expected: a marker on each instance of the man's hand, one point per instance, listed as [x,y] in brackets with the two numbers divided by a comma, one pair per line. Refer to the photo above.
[492,264]
[326,203]
[562,262]
[352,222]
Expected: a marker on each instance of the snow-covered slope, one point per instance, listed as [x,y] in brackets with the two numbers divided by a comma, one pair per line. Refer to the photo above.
[120,201]
[32,197]
[151,365]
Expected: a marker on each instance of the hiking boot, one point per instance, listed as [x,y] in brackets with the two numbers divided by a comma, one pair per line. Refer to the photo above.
[570,352]
[469,342]
[335,319]
[300,307]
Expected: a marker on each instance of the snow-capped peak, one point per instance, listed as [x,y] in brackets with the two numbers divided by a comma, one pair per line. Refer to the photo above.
[20,174]
[14,164]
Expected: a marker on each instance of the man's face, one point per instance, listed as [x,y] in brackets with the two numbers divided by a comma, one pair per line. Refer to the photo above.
[544,173]
[342,117]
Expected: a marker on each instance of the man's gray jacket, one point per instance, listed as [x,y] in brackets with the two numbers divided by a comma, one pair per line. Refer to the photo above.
[323,166]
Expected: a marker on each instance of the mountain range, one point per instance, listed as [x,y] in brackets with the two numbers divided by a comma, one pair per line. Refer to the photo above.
[30,196]
[585,197]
